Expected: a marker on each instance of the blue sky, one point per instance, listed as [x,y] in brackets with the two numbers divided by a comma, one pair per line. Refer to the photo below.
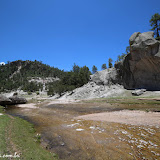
[63,32]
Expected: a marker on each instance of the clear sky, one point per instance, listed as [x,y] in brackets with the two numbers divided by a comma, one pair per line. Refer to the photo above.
[63,32]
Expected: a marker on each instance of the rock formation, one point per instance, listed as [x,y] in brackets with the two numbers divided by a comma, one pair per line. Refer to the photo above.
[141,67]
[17,100]
[12,100]
[4,100]
[106,77]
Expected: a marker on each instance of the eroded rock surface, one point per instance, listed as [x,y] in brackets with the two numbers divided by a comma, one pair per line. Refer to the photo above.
[11,100]
[141,67]
[4,100]
[106,77]
[17,100]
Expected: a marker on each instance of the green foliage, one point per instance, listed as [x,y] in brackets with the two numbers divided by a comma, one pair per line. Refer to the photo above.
[70,80]
[94,69]
[110,65]
[29,93]
[104,66]
[16,74]
[127,49]
[37,92]
[76,68]
[155,24]
[121,57]
[22,134]
[32,86]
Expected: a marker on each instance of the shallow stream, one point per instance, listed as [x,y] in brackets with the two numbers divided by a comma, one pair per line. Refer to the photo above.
[90,140]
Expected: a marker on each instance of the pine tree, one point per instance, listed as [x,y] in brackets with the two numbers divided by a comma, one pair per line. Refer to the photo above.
[155,24]
[110,65]
[94,69]
[104,66]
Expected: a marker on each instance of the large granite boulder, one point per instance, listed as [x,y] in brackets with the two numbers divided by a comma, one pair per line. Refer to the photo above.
[106,77]
[141,67]
[17,100]
[11,100]
[4,100]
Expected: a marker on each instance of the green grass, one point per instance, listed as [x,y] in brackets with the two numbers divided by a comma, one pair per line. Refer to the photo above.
[4,120]
[19,135]
[124,100]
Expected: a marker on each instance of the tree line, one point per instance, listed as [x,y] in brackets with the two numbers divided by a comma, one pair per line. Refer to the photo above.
[77,77]
[16,75]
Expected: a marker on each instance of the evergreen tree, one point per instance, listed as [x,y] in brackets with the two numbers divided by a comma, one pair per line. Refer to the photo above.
[110,65]
[94,69]
[121,57]
[155,24]
[75,68]
[127,49]
[104,66]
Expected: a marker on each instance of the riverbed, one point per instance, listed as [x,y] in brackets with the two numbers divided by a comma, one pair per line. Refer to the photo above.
[90,139]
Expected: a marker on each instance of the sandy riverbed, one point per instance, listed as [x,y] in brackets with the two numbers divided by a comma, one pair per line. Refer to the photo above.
[29,105]
[126,117]
[134,117]
[73,138]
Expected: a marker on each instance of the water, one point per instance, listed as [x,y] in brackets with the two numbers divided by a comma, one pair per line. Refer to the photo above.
[89,140]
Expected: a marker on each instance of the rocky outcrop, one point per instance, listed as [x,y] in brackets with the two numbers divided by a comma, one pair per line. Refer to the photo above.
[141,67]
[4,100]
[12,100]
[93,90]
[17,100]
[138,92]
[102,84]
[106,77]
[140,70]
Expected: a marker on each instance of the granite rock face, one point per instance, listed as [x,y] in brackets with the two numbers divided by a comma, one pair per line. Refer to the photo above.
[17,100]
[141,67]
[4,100]
[11,100]
[138,92]
[106,77]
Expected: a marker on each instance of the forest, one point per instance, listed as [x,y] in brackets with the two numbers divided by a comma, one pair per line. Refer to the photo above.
[16,75]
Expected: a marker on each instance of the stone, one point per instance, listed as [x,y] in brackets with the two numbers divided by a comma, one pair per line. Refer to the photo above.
[141,67]
[138,92]
[105,77]
[4,100]
[11,100]
[17,100]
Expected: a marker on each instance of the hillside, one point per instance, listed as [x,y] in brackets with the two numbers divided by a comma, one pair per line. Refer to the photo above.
[34,76]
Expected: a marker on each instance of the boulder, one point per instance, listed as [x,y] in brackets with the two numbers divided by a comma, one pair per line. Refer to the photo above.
[106,77]
[11,100]
[4,100]
[141,67]
[17,100]
[138,92]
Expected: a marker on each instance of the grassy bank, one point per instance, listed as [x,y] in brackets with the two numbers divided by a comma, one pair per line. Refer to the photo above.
[18,136]
[130,103]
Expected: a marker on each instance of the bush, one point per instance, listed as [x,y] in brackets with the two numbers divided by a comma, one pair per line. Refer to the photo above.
[29,93]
